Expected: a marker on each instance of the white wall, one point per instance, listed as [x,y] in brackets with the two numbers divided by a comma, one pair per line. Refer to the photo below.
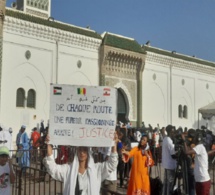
[69,73]
[35,73]
[49,63]
[205,91]
[161,99]
[155,89]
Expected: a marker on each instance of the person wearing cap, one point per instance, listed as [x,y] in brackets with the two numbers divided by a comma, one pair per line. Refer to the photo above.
[22,142]
[168,161]
[7,175]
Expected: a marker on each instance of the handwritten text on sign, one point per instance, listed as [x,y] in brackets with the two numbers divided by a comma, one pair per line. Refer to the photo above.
[82,115]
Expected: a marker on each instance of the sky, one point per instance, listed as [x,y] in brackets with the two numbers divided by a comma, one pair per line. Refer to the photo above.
[184,26]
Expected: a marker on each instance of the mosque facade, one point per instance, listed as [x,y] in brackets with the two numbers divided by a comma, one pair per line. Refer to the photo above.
[155,86]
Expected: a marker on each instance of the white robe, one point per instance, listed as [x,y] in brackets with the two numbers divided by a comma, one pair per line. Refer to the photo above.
[7,136]
[67,173]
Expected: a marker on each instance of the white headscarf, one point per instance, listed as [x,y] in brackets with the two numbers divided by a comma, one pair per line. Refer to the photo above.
[146,148]
[70,184]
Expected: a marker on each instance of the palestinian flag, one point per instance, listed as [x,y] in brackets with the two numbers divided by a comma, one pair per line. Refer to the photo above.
[57,90]
[106,92]
[81,91]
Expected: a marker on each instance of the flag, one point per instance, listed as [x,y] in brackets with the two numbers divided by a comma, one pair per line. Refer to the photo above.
[106,92]
[57,90]
[81,91]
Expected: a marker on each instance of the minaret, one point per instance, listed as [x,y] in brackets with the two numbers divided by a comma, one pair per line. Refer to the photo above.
[2,15]
[40,8]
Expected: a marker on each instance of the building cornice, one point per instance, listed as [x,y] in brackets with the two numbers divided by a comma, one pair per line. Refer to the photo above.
[173,54]
[124,43]
[42,31]
[121,63]
[51,22]
[180,63]
[36,30]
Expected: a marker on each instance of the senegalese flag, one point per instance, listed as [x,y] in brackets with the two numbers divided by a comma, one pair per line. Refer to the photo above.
[81,91]
[57,90]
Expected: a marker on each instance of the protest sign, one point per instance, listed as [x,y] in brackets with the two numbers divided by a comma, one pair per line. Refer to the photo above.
[82,115]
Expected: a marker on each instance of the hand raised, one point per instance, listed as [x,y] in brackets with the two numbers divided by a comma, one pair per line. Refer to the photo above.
[123,159]
[47,140]
[146,153]
[115,139]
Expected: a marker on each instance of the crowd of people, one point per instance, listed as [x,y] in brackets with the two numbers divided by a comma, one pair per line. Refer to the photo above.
[128,161]
[190,150]
[142,148]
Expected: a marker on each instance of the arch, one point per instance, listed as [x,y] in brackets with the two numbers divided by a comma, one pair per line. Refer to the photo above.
[20,97]
[154,107]
[186,99]
[31,99]
[122,106]
[35,78]
[75,78]
[130,115]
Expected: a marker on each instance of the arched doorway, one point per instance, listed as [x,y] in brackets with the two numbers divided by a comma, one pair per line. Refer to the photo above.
[122,106]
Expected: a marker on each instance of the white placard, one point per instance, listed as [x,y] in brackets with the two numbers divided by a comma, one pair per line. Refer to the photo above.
[82,115]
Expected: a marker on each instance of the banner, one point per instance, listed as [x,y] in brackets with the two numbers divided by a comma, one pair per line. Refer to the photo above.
[82,115]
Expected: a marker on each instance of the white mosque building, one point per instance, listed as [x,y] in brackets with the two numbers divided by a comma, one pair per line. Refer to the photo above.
[154,85]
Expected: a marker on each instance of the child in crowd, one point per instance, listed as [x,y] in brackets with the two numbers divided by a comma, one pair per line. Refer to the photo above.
[7,175]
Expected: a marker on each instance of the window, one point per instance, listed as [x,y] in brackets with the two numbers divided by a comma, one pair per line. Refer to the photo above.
[185,114]
[180,112]
[122,108]
[121,103]
[31,100]
[20,97]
